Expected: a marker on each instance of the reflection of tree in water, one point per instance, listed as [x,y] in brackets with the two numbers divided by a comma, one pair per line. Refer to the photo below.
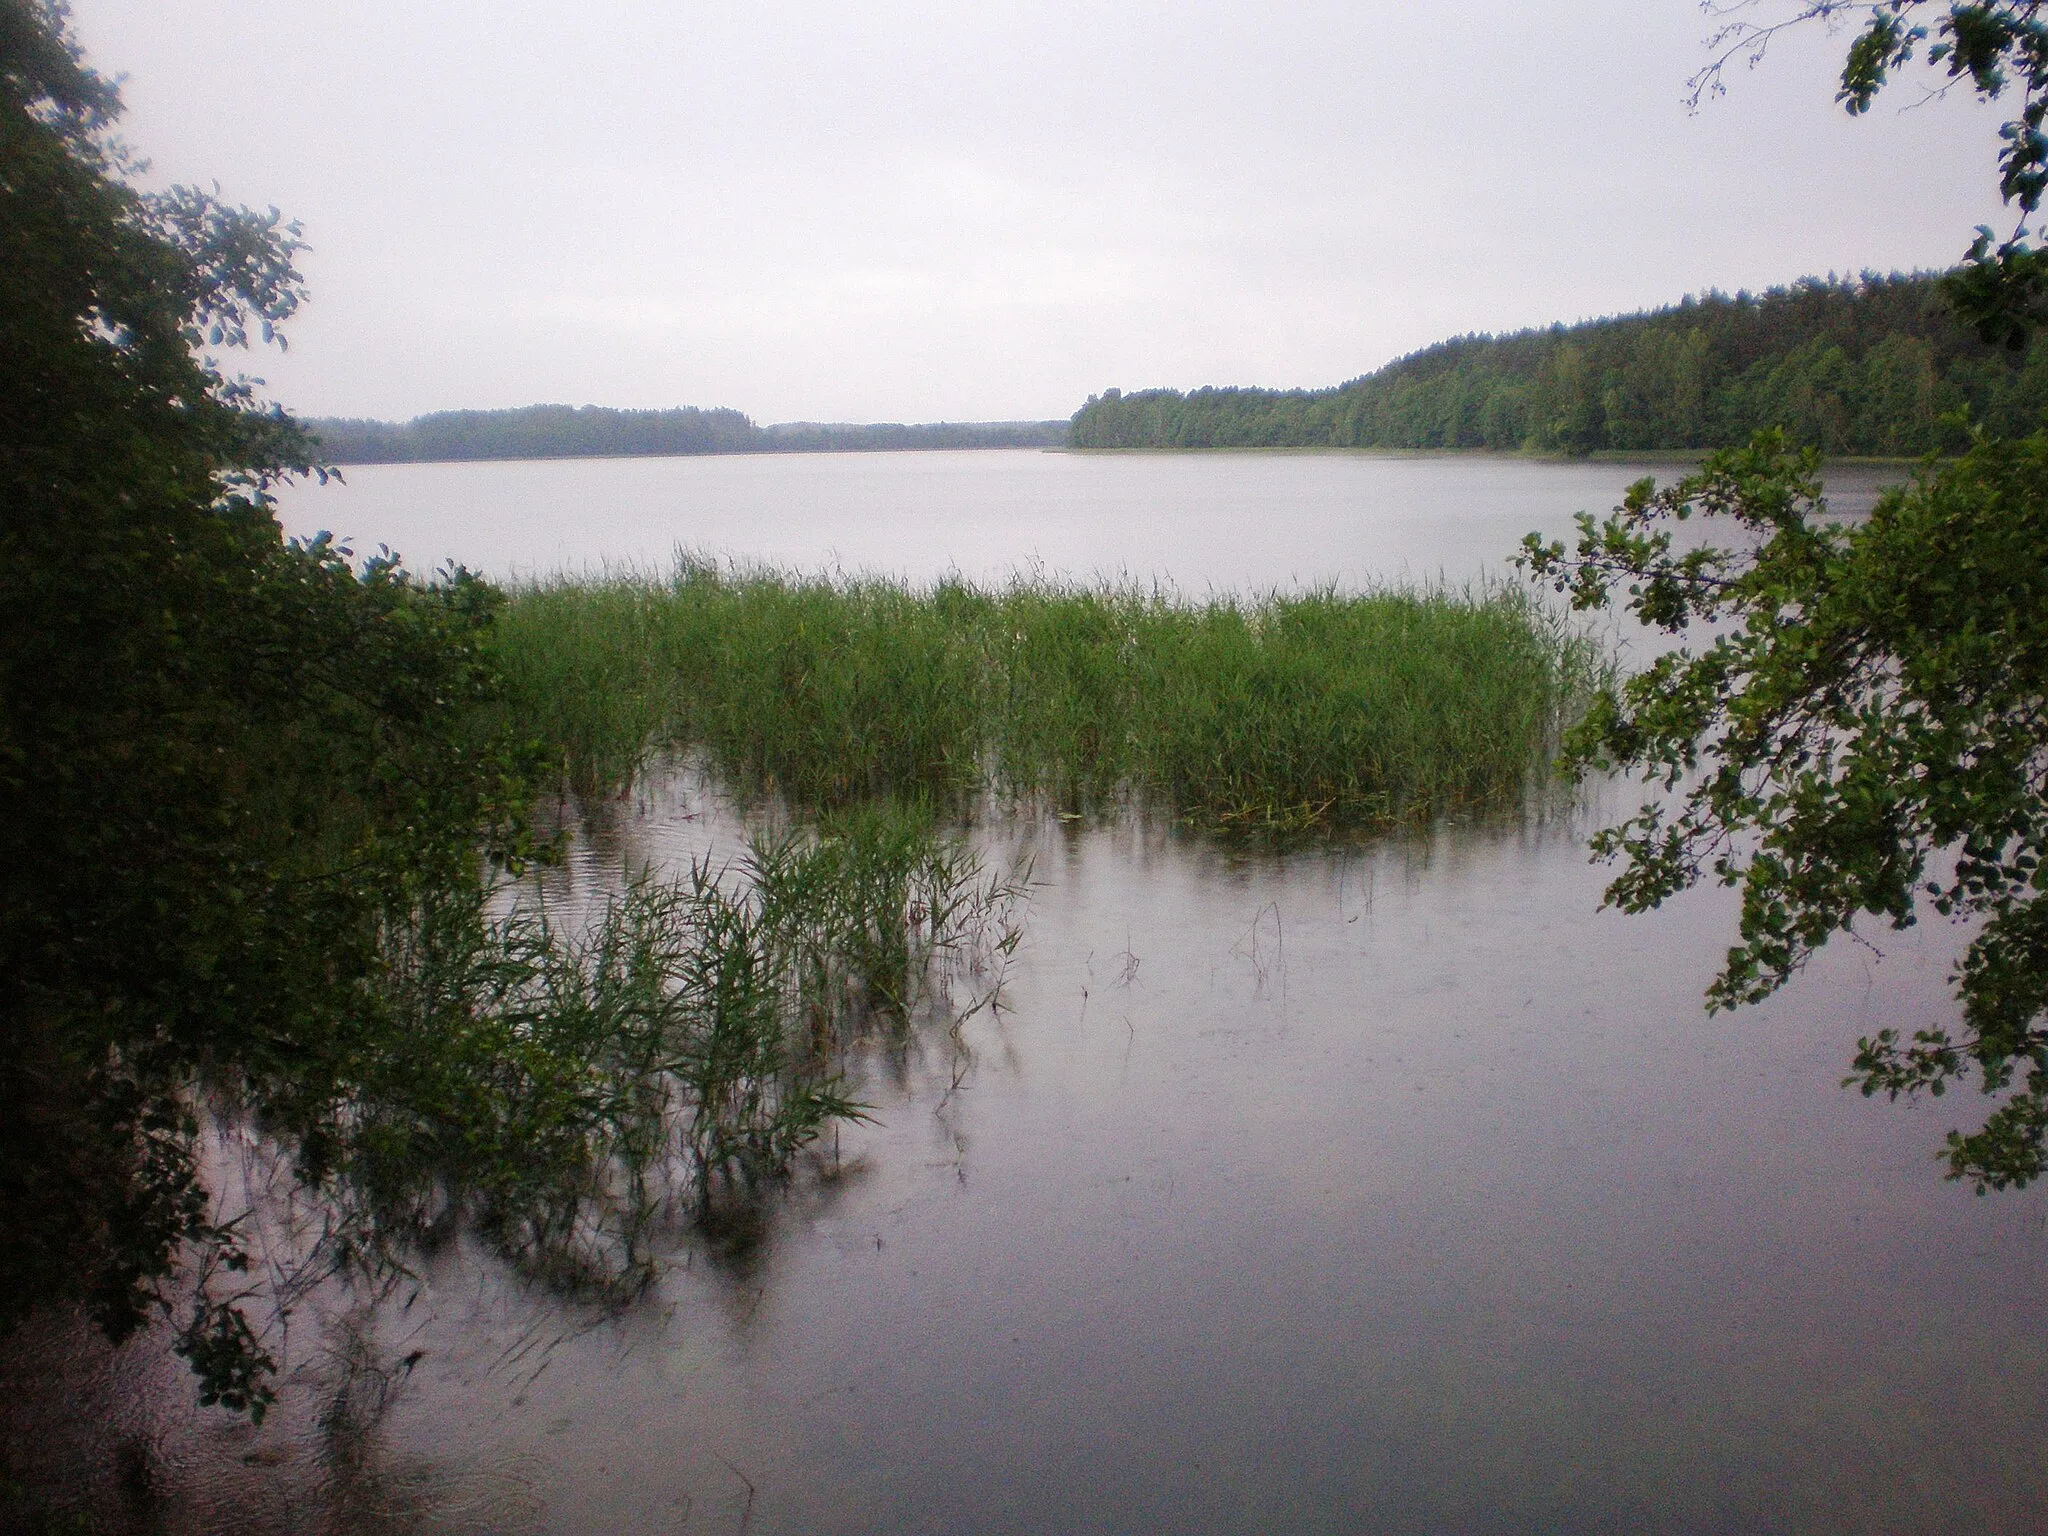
[852,940]
[106,1439]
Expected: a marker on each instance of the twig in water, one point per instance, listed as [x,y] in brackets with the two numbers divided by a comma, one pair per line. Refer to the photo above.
[747,1509]
[1127,976]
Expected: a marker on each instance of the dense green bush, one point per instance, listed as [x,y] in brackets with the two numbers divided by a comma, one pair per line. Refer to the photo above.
[226,760]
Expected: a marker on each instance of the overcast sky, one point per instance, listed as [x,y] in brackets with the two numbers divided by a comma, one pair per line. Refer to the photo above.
[983,209]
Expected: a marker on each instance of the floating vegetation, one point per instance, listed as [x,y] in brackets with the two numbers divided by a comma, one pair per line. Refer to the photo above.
[1282,712]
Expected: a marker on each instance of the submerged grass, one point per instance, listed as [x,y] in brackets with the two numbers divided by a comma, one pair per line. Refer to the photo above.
[1282,711]
[573,1092]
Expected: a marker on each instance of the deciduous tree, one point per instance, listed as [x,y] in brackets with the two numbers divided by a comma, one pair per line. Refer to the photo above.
[226,761]
[1859,731]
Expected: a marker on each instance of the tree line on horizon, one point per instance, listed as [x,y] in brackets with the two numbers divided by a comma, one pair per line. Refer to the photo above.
[593,431]
[1874,365]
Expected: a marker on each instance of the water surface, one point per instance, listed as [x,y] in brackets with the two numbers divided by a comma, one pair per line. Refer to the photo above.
[1204,522]
[1391,1188]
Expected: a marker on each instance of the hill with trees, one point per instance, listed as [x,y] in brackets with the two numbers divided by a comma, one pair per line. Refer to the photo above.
[1869,366]
[593,431]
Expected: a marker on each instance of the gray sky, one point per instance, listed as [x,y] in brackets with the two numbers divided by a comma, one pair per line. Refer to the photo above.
[975,209]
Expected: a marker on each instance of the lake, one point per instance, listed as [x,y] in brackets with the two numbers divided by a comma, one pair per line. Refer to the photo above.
[1202,522]
[1389,1187]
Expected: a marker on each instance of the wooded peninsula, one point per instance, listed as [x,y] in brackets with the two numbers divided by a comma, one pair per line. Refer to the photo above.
[1867,366]
[593,431]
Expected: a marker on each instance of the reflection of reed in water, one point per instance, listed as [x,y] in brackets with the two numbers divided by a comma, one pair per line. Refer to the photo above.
[578,1094]
[680,1050]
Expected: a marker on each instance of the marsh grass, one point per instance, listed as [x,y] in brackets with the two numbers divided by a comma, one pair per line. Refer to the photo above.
[1281,712]
[579,1091]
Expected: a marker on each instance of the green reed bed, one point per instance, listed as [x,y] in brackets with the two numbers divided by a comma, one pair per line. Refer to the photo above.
[1280,711]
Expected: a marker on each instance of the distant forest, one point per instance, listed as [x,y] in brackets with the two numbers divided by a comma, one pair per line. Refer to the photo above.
[591,431]
[1866,366]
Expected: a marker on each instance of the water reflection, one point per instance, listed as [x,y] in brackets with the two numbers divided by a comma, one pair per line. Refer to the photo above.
[1380,1188]
[112,1440]
[1383,1188]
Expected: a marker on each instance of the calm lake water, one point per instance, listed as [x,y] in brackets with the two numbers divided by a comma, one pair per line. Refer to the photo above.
[1390,1188]
[1203,522]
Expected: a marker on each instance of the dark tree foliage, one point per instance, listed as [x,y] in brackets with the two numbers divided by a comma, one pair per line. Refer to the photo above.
[533,432]
[1864,729]
[226,762]
[1871,366]
[592,431]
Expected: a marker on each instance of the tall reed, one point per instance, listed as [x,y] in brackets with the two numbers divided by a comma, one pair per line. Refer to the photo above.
[1319,708]
[569,1091]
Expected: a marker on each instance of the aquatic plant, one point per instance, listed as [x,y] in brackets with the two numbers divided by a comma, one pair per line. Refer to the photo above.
[1312,709]
[574,1090]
